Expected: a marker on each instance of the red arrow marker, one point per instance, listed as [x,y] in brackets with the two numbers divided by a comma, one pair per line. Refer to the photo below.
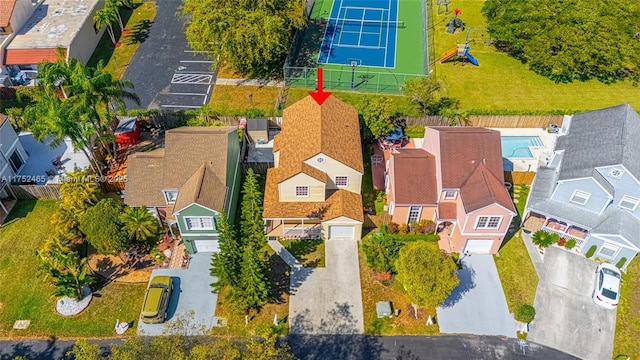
[319,95]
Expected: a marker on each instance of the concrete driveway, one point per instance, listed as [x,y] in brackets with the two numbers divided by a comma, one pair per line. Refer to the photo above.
[166,73]
[477,305]
[192,305]
[328,300]
[566,317]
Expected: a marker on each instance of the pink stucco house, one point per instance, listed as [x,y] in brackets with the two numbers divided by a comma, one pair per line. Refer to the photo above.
[455,179]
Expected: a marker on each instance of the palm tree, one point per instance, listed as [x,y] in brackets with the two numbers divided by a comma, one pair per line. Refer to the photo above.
[107,16]
[141,226]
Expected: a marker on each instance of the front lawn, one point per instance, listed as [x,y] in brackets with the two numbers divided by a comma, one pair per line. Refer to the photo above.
[628,318]
[238,100]
[25,296]
[517,274]
[309,253]
[374,291]
[260,323]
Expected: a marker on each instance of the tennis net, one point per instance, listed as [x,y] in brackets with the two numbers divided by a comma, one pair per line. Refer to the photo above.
[365,23]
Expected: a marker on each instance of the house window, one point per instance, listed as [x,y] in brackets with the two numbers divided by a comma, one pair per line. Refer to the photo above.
[608,250]
[450,194]
[16,161]
[488,222]
[302,191]
[170,196]
[342,181]
[580,197]
[414,214]
[629,203]
[199,222]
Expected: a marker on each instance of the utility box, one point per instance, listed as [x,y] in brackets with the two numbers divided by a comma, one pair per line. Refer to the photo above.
[383,308]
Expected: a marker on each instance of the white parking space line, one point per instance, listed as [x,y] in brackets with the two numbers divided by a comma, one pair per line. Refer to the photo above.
[180,78]
[207,96]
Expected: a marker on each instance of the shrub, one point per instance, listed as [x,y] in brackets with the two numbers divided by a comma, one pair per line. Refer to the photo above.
[544,239]
[383,228]
[591,251]
[382,252]
[427,226]
[392,228]
[526,313]
[403,229]
[414,229]
[570,244]
[621,262]
[562,241]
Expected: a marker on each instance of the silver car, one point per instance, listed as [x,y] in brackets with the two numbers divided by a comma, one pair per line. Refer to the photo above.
[607,289]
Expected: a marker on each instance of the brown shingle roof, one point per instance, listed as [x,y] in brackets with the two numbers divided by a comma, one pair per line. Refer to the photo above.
[144,179]
[309,129]
[447,211]
[203,188]
[462,148]
[30,56]
[482,189]
[3,118]
[186,150]
[414,177]
[338,203]
[6,9]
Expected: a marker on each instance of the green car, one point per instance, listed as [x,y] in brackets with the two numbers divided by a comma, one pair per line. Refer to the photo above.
[156,301]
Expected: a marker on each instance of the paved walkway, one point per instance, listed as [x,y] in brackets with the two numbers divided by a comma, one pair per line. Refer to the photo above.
[534,254]
[249,82]
[325,300]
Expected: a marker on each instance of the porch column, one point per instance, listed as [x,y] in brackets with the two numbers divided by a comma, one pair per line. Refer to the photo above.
[282,226]
[302,226]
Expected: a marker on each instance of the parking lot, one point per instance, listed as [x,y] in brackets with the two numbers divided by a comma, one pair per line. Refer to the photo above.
[566,317]
[166,73]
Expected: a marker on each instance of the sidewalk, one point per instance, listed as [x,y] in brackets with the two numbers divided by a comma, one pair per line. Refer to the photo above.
[536,259]
[285,254]
[249,82]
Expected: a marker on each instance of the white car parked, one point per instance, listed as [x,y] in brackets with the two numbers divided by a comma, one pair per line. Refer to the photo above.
[607,289]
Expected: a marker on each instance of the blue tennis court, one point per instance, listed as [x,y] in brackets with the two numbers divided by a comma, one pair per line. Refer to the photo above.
[361,35]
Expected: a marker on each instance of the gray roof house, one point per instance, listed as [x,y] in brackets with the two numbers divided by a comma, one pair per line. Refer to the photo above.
[589,189]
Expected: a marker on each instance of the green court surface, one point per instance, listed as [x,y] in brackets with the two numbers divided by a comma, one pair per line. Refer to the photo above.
[411,54]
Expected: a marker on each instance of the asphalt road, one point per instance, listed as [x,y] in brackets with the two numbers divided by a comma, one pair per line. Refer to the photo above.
[346,347]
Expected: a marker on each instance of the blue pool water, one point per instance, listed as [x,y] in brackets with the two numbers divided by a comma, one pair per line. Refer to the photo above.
[518,146]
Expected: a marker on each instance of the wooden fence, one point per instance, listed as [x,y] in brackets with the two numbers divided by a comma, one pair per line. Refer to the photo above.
[258,168]
[27,192]
[491,121]
[519,177]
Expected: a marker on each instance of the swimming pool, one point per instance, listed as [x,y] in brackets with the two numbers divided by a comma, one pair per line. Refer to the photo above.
[518,146]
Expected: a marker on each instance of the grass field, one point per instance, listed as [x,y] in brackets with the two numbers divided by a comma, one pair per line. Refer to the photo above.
[501,83]
[137,21]
[25,296]
[626,342]
[409,54]
[310,253]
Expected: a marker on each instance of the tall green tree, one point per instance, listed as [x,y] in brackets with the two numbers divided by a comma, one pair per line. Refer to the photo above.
[252,37]
[427,275]
[107,16]
[251,222]
[425,93]
[102,227]
[253,289]
[140,225]
[226,264]
[569,41]
[377,115]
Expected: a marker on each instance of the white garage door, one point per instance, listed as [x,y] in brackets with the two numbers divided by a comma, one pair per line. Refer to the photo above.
[341,232]
[478,246]
[206,245]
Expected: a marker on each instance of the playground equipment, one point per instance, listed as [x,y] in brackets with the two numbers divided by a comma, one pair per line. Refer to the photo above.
[460,51]
[444,3]
[453,24]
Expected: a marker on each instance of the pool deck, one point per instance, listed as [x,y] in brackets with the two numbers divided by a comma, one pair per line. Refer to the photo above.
[540,153]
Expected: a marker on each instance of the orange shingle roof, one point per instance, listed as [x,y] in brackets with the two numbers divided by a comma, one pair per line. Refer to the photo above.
[6,9]
[414,177]
[30,56]
[447,211]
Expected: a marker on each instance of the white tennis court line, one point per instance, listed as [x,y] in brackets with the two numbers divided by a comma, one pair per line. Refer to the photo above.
[361,26]
[360,47]
[181,78]
[361,32]
[386,45]
[395,51]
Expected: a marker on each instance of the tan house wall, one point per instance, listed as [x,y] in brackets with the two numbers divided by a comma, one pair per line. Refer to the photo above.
[401,214]
[276,158]
[458,241]
[431,143]
[22,11]
[469,220]
[335,168]
[287,189]
[86,39]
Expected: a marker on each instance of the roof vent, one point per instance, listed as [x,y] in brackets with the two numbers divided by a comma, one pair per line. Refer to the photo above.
[616,173]
[320,159]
